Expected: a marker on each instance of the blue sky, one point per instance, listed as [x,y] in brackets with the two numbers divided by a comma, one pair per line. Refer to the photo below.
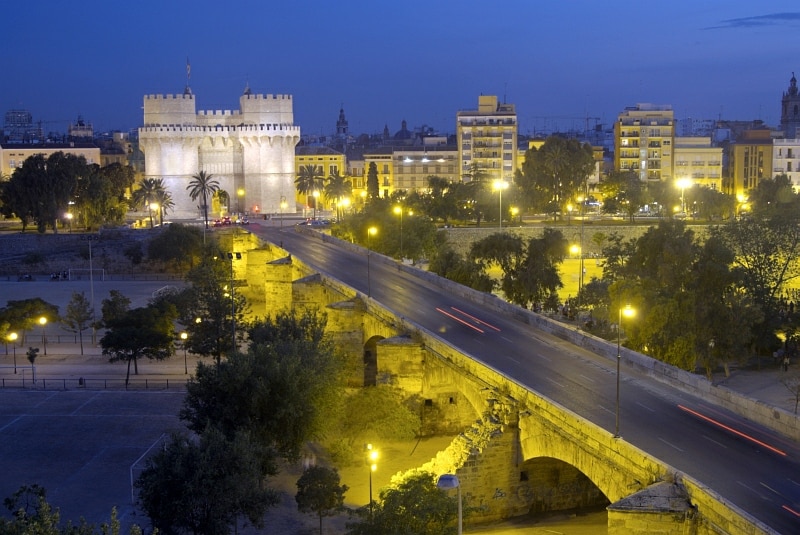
[385,61]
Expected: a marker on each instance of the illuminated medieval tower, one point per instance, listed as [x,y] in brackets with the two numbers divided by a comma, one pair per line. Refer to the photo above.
[790,111]
[249,151]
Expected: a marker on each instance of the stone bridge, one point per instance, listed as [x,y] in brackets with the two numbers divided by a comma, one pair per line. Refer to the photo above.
[514,451]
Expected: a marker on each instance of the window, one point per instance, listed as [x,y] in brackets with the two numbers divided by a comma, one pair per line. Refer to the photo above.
[789,166]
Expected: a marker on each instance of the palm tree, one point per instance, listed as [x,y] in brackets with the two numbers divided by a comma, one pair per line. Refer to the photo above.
[203,185]
[338,188]
[147,194]
[310,179]
[165,204]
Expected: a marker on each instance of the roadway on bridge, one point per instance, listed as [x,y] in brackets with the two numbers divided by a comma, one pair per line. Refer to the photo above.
[752,467]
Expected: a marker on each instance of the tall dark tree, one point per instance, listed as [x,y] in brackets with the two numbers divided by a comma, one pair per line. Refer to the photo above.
[202,186]
[311,178]
[146,194]
[78,315]
[141,332]
[204,486]
[373,185]
[319,492]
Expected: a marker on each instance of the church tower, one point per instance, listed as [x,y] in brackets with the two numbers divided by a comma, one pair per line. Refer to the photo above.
[341,125]
[790,111]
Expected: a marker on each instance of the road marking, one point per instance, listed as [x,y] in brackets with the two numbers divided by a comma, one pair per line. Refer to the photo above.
[670,444]
[769,488]
[732,430]
[512,358]
[720,444]
[556,382]
[609,411]
[754,491]
[793,481]
[587,378]
[506,339]
[645,407]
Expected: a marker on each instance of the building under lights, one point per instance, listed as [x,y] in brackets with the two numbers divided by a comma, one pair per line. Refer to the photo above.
[487,139]
[643,136]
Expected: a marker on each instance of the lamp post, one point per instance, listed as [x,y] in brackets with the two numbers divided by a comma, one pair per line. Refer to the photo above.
[683,183]
[43,322]
[68,215]
[514,213]
[371,231]
[569,213]
[399,210]
[345,204]
[316,199]
[449,482]
[499,185]
[283,207]
[153,207]
[184,336]
[90,238]
[372,462]
[239,195]
[231,257]
[628,312]
[12,337]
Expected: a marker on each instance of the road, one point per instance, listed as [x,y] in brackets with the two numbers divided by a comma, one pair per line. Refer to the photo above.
[751,466]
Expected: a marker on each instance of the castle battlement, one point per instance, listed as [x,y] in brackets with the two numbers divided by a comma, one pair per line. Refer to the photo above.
[154,128]
[219,113]
[267,97]
[180,96]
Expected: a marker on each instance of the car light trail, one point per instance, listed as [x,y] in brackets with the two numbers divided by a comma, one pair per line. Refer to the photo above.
[476,319]
[459,320]
[732,430]
[795,513]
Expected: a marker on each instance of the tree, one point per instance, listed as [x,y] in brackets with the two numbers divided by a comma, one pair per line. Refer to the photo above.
[23,315]
[78,315]
[319,491]
[42,188]
[179,245]
[140,332]
[373,185]
[163,199]
[202,186]
[283,391]
[203,487]
[624,192]
[414,507]
[449,264]
[378,413]
[208,311]
[311,178]
[552,174]
[114,308]
[100,195]
[338,188]
[146,194]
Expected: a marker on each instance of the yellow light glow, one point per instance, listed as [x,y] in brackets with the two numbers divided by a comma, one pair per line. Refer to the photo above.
[42,321]
[372,231]
[184,336]
[628,311]
[398,210]
[12,336]
[499,184]
[683,183]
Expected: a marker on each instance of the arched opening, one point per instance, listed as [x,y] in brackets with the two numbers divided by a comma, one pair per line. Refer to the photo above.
[551,486]
[371,361]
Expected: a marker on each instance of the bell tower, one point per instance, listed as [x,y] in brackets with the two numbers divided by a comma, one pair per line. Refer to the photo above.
[790,111]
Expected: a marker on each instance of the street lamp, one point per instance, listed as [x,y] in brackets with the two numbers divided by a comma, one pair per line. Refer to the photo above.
[371,231]
[239,195]
[12,337]
[683,183]
[68,215]
[345,204]
[372,462]
[399,210]
[514,213]
[316,199]
[449,482]
[43,322]
[153,207]
[499,185]
[628,312]
[283,207]
[569,213]
[184,336]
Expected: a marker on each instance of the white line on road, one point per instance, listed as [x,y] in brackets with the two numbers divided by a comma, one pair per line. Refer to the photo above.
[609,411]
[645,407]
[556,382]
[587,378]
[512,358]
[769,488]
[720,444]
[670,444]
[506,339]
[751,489]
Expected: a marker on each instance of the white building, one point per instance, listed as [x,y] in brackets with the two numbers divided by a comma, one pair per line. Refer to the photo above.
[249,150]
[786,160]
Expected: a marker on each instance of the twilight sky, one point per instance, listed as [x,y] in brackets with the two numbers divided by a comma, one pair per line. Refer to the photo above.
[385,61]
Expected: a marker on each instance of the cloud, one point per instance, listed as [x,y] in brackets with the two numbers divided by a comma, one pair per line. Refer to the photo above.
[758,21]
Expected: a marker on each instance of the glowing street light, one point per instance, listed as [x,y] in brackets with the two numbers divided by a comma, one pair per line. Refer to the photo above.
[68,215]
[153,207]
[283,207]
[449,482]
[514,213]
[184,336]
[371,231]
[316,199]
[12,337]
[372,462]
[683,183]
[399,210]
[499,185]
[239,195]
[628,312]
[43,322]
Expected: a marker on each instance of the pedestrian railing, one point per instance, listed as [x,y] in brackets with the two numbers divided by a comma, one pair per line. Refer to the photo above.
[91,383]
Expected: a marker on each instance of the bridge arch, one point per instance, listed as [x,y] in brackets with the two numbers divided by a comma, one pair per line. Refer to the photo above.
[548,484]
[371,360]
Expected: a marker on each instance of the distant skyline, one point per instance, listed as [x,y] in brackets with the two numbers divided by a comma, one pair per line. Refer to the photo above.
[559,62]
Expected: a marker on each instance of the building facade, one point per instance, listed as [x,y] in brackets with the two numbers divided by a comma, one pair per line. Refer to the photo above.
[249,150]
[13,154]
[786,160]
[695,159]
[750,161]
[643,136]
[487,139]
[790,110]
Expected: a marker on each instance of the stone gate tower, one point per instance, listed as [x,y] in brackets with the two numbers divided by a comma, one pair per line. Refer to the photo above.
[790,111]
[250,151]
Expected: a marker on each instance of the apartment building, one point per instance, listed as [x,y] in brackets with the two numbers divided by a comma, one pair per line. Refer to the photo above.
[695,159]
[487,139]
[643,137]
